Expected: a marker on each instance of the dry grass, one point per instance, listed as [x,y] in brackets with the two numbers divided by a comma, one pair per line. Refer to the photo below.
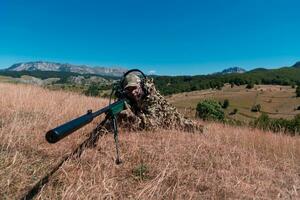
[26,113]
[223,163]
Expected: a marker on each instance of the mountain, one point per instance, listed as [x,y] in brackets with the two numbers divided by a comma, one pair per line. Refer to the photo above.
[297,64]
[233,70]
[65,67]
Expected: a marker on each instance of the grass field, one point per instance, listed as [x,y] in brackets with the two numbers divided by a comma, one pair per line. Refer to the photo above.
[223,163]
[276,101]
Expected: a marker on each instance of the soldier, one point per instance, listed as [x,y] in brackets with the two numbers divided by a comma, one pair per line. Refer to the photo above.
[147,110]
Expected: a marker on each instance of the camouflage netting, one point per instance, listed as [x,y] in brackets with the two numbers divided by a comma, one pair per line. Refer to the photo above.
[154,112]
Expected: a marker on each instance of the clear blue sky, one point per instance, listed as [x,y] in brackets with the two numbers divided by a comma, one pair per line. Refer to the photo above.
[169,37]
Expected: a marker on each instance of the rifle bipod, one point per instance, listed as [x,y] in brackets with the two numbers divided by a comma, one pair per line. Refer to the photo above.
[115,127]
[94,137]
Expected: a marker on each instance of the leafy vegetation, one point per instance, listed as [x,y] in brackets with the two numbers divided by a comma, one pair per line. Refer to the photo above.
[225,104]
[210,110]
[250,85]
[256,108]
[234,111]
[276,125]
[95,89]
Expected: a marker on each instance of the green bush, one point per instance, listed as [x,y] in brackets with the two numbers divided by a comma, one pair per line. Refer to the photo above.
[234,111]
[278,125]
[92,90]
[294,126]
[256,108]
[225,104]
[262,122]
[250,86]
[210,110]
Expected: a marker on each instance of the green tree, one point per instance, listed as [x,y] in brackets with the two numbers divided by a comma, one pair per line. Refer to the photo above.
[210,110]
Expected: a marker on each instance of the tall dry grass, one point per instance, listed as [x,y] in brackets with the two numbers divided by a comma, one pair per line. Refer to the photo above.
[223,163]
[26,113]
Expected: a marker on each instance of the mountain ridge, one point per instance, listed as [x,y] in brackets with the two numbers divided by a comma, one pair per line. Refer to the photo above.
[233,70]
[65,67]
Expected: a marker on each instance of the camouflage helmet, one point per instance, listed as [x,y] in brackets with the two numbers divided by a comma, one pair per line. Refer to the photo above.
[131,80]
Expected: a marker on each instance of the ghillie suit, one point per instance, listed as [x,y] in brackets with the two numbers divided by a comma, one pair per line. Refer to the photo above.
[150,113]
[153,112]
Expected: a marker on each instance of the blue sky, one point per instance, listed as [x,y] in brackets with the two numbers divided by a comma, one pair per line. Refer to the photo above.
[168,37]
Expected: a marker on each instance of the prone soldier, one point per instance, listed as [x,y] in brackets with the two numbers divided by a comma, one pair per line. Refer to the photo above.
[147,110]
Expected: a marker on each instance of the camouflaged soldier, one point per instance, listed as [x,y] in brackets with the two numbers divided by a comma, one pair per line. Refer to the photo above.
[149,110]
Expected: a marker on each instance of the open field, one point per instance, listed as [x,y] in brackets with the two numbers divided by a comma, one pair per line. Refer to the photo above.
[223,163]
[276,101]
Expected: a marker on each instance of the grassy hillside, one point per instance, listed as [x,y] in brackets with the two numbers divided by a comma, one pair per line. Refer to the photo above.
[276,101]
[222,163]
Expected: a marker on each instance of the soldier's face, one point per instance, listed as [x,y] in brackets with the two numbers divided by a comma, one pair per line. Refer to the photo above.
[134,92]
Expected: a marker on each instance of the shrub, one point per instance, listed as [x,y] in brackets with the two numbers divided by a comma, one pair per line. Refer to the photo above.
[225,104]
[250,86]
[92,90]
[277,125]
[219,87]
[256,108]
[293,86]
[262,122]
[210,110]
[234,111]
[294,125]
[298,91]
[141,172]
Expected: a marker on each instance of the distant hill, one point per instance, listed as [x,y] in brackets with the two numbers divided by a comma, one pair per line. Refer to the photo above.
[233,70]
[258,70]
[177,84]
[59,67]
[297,64]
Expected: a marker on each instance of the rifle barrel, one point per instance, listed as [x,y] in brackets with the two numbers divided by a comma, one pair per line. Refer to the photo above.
[58,133]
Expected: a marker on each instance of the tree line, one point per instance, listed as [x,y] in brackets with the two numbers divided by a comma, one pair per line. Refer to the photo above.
[176,84]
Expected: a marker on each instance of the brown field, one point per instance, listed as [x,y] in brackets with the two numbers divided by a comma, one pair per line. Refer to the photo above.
[276,101]
[223,163]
